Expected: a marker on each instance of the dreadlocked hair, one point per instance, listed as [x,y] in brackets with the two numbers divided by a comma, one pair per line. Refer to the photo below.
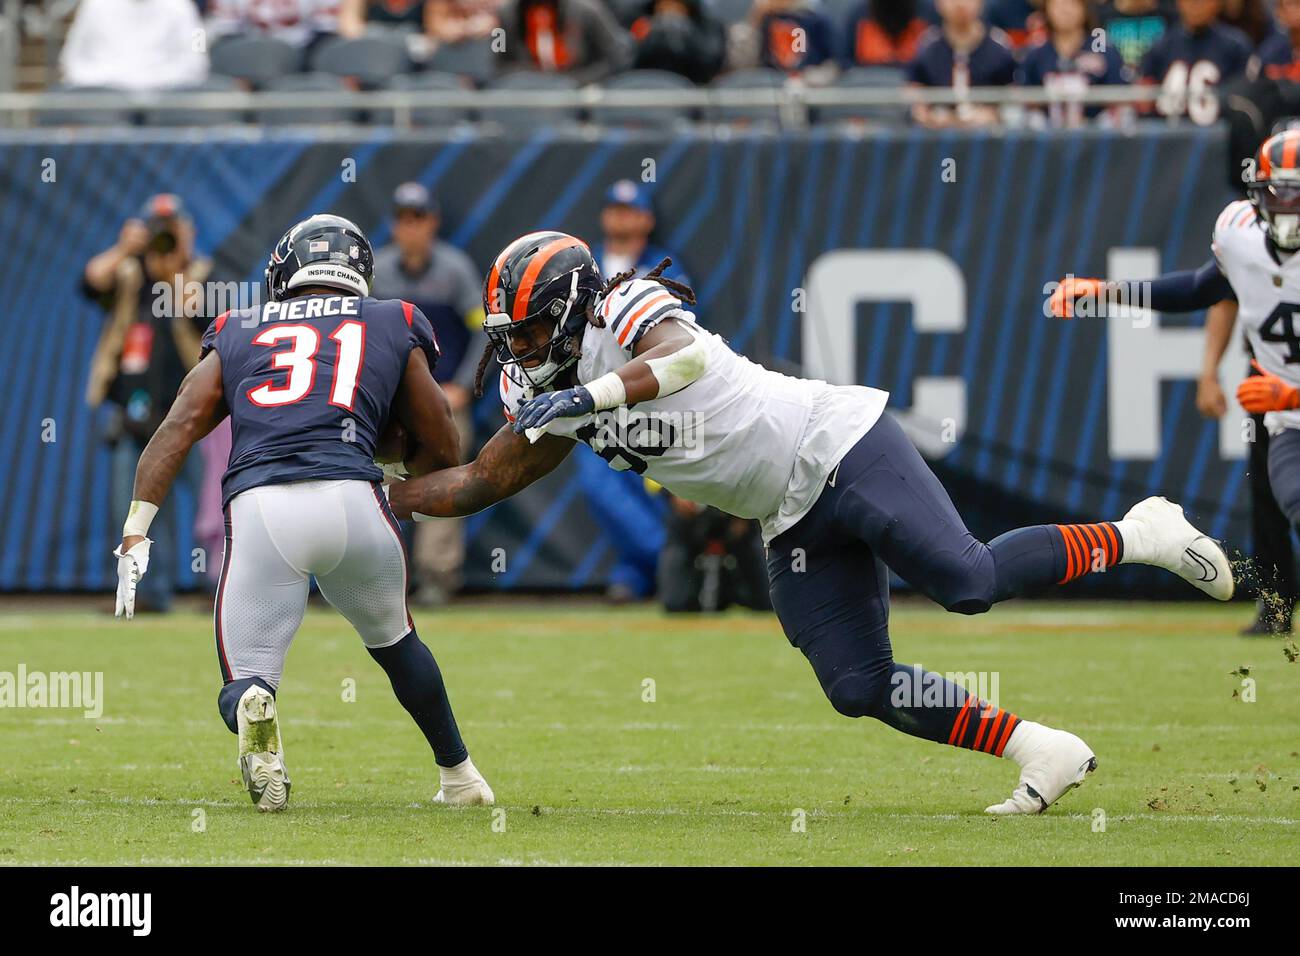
[683,291]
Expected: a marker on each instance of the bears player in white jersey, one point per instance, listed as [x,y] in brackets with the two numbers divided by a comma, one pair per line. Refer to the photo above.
[310,380]
[842,495]
[1254,243]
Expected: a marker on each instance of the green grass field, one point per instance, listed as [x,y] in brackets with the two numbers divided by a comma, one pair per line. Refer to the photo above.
[714,771]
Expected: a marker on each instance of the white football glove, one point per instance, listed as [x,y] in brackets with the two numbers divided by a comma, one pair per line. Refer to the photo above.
[131,567]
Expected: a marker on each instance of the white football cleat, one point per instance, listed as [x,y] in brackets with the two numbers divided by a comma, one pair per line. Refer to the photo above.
[1052,763]
[1156,532]
[261,756]
[463,786]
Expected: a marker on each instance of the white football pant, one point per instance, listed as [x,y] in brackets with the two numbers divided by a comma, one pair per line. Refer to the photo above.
[277,536]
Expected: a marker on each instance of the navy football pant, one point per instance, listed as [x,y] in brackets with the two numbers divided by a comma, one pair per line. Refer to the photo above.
[883,508]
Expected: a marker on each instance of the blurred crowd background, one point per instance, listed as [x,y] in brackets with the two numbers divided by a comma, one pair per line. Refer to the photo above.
[1187,49]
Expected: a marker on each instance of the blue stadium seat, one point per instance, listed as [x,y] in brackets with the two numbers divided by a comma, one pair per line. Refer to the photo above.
[431,115]
[655,117]
[729,11]
[866,77]
[371,60]
[759,79]
[532,117]
[216,83]
[256,60]
[472,59]
[302,83]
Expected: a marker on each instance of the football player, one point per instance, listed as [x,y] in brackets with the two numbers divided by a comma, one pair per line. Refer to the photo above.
[842,495]
[310,380]
[1254,262]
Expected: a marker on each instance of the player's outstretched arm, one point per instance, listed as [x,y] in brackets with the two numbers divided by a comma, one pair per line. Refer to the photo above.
[199,407]
[1188,291]
[507,464]
[423,409]
[1210,400]
[667,358]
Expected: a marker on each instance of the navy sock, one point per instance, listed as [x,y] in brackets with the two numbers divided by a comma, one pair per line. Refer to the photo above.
[1031,559]
[417,682]
[228,699]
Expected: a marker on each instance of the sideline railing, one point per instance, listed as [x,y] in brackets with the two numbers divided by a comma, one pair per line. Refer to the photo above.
[789,105]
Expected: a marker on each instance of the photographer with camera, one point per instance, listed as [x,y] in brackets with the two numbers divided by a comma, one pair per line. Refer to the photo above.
[147,345]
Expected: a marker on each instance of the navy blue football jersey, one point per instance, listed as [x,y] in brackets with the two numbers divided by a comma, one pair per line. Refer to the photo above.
[937,64]
[1218,52]
[309,382]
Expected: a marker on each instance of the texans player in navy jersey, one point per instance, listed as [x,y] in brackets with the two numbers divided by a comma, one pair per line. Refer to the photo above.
[310,380]
[1192,58]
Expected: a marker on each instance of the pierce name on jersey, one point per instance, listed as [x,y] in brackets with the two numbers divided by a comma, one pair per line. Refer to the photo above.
[310,382]
[749,441]
[1267,286]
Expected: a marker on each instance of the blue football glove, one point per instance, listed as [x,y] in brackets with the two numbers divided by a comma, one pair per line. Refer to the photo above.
[548,406]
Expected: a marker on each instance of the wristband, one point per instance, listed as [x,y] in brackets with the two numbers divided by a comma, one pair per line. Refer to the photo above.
[139,518]
[608,391]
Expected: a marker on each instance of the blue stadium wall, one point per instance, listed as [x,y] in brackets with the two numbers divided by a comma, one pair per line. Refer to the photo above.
[748,214]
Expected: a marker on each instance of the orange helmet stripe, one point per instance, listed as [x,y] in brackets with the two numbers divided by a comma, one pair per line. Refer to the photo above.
[540,258]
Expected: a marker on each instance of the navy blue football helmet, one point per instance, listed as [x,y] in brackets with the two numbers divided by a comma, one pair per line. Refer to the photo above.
[325,251]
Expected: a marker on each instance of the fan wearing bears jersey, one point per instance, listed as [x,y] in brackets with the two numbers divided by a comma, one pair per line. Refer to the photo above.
[310,380]
[842,495]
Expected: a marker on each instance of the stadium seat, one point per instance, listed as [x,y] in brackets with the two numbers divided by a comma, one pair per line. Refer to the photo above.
[644,116]
[216,83]
[254,59]
[472,59]
[837,11]
[729,11]
[433,114]
[866,77]
[532,117]
[759,79]
[112,113]
[371,60]
[302,83]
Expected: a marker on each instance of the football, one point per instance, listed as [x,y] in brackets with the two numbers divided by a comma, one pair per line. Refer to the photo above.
[395,444]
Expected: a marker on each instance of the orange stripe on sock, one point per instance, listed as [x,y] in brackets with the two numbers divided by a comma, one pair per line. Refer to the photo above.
[1114,543]
[1095,544]
[1006,735]
[1072,552]
[984,726]
[958,724]
[993,731]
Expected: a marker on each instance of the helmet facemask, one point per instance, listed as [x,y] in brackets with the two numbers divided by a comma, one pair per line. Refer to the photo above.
[564,316]
[1278,204]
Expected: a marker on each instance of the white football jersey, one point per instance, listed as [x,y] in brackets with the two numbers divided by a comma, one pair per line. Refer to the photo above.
[749,441]
[1268,295]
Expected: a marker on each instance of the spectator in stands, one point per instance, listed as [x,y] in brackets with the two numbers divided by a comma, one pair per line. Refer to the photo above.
[444,284]
[356,15]
[631,516]
[1074,57]
[1134,26]
[1021,20]
[1192,58]
[148,344]
[960,54]
[792,36]
[883,33]
[134,45]
[679,36]
[577,37]
[1277,58]
[299,23]
[1251,17]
